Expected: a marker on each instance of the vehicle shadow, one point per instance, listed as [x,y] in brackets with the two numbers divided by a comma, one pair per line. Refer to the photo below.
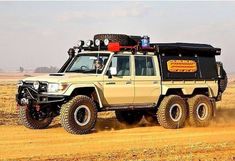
[108,124]
[223,117]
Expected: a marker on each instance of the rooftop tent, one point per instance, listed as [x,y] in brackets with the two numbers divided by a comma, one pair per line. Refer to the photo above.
[187,48]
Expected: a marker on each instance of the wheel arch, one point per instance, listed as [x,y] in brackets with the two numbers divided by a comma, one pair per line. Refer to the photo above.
[89,90]
[189,91]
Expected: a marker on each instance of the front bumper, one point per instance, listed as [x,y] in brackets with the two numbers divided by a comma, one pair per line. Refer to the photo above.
[27,95]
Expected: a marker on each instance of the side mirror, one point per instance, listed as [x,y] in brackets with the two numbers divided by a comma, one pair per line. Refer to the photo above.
[112,71]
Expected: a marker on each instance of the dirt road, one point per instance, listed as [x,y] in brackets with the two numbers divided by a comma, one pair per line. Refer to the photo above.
[113,141]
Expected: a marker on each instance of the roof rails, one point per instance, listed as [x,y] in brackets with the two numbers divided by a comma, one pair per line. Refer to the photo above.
[117,43]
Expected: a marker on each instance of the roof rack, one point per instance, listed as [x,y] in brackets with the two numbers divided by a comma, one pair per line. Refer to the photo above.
[143,45]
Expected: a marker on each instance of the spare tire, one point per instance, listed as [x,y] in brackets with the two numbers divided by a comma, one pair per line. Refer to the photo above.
[223,82]
[121,38]
[134,40]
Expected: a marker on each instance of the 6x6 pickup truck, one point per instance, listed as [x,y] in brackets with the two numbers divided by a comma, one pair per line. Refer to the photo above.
[167,83]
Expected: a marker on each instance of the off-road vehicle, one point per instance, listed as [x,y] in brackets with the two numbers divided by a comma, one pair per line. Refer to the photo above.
[167,83]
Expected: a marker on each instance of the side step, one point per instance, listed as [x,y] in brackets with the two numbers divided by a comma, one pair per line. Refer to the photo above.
[128,107]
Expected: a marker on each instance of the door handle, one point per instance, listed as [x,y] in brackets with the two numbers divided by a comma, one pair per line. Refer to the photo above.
[111,83]
[155,82]
[128,82]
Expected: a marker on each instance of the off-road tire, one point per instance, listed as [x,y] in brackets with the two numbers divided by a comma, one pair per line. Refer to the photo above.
[163,113]
[68,121]
[129,117]
[223,82]
[121,38]
[193,103]
[151,118]
[28,121]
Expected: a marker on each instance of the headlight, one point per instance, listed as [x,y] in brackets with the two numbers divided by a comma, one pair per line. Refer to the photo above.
[53,87]
[56,87]
[36,85]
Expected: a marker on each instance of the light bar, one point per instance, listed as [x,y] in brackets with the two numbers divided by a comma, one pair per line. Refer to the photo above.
[89,43]
[106,42]
[97,42]
[80,43]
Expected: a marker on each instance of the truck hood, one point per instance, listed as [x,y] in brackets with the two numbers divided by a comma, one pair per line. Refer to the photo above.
[65,77]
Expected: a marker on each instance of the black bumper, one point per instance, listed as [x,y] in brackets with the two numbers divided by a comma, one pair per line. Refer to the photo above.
[33,96]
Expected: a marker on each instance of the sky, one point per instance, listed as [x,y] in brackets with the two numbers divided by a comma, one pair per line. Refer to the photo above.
[34,34]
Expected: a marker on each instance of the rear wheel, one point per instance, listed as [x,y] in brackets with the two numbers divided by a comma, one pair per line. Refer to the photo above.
[79,115]
[129,117]
[200,111]
[33,119]
[172,112]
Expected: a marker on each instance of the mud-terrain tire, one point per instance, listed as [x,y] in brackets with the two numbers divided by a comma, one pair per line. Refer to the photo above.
[79,115]
[121,38]
[200,111]
[129,117]
[223,82]
[151,118]
[28,121]
[172,112]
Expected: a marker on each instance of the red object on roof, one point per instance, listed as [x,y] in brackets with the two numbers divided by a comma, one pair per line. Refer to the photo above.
[114,46]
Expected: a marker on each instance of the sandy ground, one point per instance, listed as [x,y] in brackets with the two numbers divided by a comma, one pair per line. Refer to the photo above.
[148,143]
[111,140]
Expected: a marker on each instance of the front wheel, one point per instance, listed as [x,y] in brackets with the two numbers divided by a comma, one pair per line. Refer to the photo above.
[33,119]
[78,116]
[172,112]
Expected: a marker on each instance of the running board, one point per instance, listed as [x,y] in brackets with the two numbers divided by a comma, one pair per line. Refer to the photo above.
[128,107]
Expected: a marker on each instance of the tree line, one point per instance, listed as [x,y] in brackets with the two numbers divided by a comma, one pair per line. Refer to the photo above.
[50,69]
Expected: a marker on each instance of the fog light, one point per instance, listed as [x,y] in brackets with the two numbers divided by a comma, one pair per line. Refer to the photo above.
[24,101]
[36,85]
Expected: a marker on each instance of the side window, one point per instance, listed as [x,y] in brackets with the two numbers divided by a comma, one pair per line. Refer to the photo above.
[122,64]
[144,66]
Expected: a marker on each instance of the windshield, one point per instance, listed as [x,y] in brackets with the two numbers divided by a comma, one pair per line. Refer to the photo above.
[88,63]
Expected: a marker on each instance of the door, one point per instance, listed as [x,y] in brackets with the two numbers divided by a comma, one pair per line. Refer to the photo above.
[119,89]
[147,79]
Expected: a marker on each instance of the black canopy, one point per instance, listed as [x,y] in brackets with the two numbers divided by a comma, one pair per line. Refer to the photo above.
[188,48]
